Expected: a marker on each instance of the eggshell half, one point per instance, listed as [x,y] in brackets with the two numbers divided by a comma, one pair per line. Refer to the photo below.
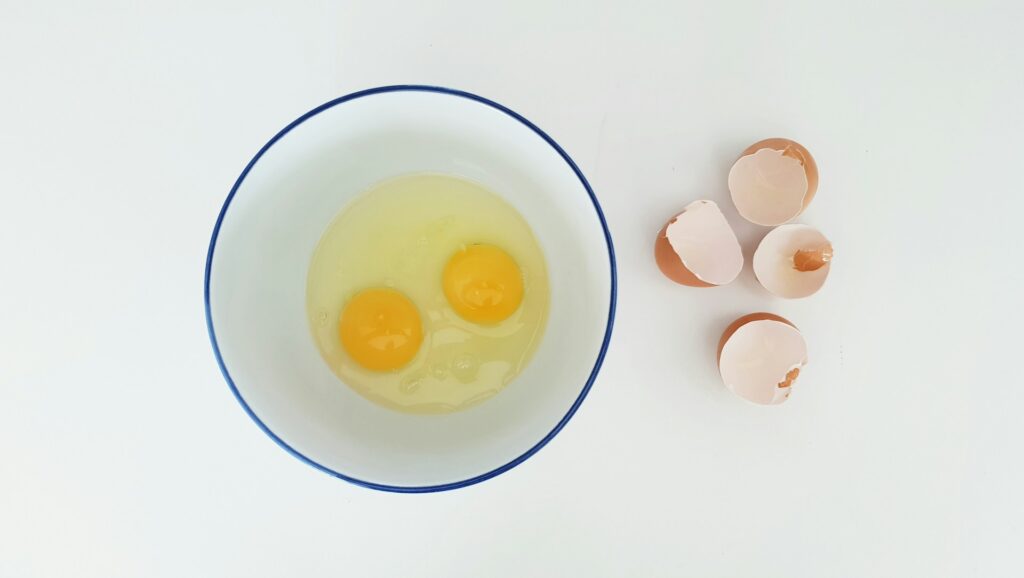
[793,261]
[698,248]
[773,181]
[760,357]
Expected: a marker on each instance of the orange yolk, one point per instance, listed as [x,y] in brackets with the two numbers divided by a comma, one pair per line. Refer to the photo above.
[483,284]
[380,329]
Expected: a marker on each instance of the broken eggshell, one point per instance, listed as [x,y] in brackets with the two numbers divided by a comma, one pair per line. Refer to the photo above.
[773,181]
[698,248]
[760,356]
[793,261]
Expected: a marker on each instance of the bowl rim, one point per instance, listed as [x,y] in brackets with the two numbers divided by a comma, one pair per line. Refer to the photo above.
[448,485]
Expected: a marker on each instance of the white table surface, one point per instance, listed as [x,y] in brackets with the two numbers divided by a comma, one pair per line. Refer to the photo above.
[123,453]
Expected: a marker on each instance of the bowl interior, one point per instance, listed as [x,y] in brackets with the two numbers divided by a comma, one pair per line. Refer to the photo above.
[273,222]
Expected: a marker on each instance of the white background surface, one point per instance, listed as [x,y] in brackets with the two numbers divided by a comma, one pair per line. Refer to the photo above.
[123,453]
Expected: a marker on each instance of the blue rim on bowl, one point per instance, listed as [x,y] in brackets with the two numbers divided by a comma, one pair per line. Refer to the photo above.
[451,485]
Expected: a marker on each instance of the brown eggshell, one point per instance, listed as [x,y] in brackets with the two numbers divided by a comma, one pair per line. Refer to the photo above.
[795,150]
[762,316]
[760,356]
[670,264]
[793,261]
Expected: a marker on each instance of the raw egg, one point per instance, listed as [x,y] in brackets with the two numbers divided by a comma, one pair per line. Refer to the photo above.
[773,181]
[483,284]
[427,293]
[760,356]
[698,248]
[380,329]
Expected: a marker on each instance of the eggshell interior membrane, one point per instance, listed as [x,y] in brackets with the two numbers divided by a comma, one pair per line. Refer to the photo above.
[698,247]
[760,357]
[773,181]
[775,263]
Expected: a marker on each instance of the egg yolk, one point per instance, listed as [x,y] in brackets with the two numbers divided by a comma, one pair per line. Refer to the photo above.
[380,329]
[483,284]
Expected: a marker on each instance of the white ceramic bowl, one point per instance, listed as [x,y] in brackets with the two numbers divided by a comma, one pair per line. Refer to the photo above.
[271,222]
